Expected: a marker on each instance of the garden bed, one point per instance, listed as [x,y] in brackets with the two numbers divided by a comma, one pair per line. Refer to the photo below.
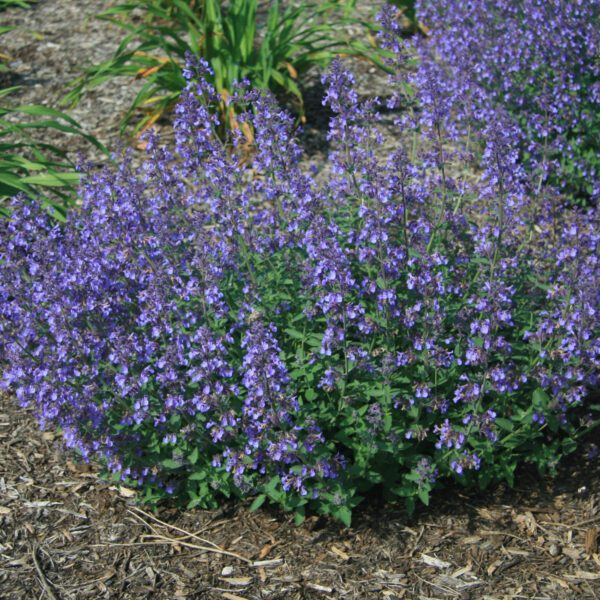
[66,534]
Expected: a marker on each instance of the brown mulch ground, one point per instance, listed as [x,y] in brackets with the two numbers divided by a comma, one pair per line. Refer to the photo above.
[65,534]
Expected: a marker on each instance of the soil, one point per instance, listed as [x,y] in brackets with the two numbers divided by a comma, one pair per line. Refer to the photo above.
[66,534]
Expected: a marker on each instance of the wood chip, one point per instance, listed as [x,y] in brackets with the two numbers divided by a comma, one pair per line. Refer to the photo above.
[231,596]
[517,551]
[41,504]
[462,570]
[319,588]
[391,578]
[241,581]
[583,575]
[492,568]
[432,561]
[460,585]
[272,562]
[265,550]
[487,514]
[4,510]
[340,553]
[591,540]
[572,553]
[472,539]
[527,522]
[123,491]
[561,582]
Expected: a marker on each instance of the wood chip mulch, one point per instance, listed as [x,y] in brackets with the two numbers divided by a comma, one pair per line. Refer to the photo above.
[66,534]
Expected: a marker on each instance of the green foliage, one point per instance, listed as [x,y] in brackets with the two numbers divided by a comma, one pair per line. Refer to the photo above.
[4,57]
[4,4]
[237,44]
[28,166]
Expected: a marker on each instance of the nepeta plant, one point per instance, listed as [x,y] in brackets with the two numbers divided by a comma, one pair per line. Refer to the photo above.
[217,322]
[531,63]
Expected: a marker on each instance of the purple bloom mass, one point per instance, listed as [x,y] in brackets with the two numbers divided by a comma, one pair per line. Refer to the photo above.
[217,321]
[530,64]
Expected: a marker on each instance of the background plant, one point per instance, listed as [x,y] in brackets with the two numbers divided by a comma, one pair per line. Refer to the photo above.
[4,57]
[271,51]
[533,63]
[38,169]
[4,4]
[208,326]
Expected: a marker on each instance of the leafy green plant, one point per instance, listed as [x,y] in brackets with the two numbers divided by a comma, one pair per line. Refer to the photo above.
[237,45]
[4,4]
[3,56]
[535,62]
[31,167]
[231,327]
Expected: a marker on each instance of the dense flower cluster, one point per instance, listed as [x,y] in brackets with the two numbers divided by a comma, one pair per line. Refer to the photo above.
[529,64]
[219,322]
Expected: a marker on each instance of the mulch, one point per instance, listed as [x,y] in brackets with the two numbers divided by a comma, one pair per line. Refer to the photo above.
[67,534]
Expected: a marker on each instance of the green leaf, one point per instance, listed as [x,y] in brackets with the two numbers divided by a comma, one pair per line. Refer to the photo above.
[569,446]
[52,179]
[272,485]
[294,333]
[310,394]
[258,502]
[505,424]
[169,463]
[299,516]
[343,514]
[423,496]
[194,455]
[540,398]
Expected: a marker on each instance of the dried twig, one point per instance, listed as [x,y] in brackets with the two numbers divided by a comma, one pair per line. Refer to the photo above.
[149,525]
[586,522]
[416,544]
[216,550]
[170,526]
[44,582]
[444,588]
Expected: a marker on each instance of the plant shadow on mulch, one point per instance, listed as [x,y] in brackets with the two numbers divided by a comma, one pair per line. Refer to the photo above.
[66,534]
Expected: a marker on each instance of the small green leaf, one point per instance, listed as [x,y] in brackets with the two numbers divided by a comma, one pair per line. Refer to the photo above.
[310,395]
[193,456]
[423,496]
[540,398]
[344,514]
[297,335]
[258,502]
[299,516]
[505,424]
